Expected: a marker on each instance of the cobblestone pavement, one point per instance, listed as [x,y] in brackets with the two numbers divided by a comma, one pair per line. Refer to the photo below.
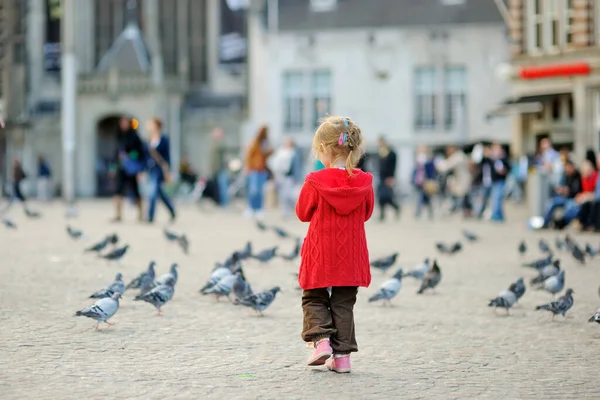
[447,345]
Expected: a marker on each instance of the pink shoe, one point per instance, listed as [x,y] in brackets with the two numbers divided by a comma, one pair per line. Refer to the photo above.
[339,364]
[322,352]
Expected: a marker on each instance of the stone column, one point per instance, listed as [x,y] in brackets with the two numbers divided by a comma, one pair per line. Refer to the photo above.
[152,33]
[85,46]
[582,104]
[36,36]
[183,8]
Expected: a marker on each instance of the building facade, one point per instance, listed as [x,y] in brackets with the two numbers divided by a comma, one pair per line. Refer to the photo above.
[141,58]
[415,72]
[555,76]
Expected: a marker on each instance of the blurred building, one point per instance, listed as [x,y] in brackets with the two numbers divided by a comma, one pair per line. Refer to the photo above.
[555,73]
[417,72]
[182,60]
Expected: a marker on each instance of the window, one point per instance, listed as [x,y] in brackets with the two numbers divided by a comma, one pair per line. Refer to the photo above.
[554,26]
[569,22]
[321,95]
[293,101]
[537,23]
[322,5]
[550,24]
[425,98]
[455,88]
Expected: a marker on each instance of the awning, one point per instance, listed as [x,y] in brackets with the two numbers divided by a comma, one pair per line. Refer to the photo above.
[522,105]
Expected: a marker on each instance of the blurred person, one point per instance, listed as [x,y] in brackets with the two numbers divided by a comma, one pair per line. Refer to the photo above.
[387,178]
[590,155]
[589,178]
[187,174]
[565,193]
[485,167]
[362,163]
[256,166]
[286,165]
[18,176]
[423,179]
[219,177]
[459,184]
[500,169]
[337,201]
[159,164]
[131,156]
[43,179]
[549,161]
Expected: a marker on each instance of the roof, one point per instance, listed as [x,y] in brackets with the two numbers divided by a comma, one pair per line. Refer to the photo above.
[128,52]
[297,14]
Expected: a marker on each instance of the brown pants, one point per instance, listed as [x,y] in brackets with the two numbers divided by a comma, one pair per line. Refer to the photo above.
[330,317]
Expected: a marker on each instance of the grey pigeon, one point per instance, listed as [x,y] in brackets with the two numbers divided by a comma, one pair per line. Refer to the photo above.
[232,260]
[32,214]
[282,233]
[522,248]
[560,306]
[555,284]
[449,249]
[577,253]
[505,299]
[544,247]
[518,288]
[9,224]
[384,263]
[145,280]
[595,317]
[241,288]
[589,250]
[541,263]
[419,271]
[102,310]
[259,301]
[171,236]
[98,247]
[389,289]
[113,238]
[159,296]
[116,254]
[172,274]
[246,252]
[261,226]
[74,233]
[559,244]
[215,277]
[184,243]
[266,255]
[295,252]
[117,286]
[546,272]
[471,237]
[432,278]
[223,287]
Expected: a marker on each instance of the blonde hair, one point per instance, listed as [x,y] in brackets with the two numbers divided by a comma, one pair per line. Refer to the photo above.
[335,130]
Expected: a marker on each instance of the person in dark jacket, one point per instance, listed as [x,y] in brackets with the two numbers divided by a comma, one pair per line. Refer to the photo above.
[159,164]
[43,179]
[423,174]
[131,156]
[362,163]
[18,177]
[387,179]
[564,194]
[500,169]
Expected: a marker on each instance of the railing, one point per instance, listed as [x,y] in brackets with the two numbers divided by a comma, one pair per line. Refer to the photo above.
[115,82]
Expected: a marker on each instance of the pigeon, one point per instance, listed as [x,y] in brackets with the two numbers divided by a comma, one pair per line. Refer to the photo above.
[145,280]
[74,233]
[419,271]
[116,254]
[577,253]
[560,244]
[241,288]
[280,232]
[223,287]
[471,237]
[555,284]
[9,224]
[259,301]
[171,236]
[539,264]
[184,243]
[505,299]
[294,254]
[169,275]
[113,238]
[544,247]
[522,248]
[117,286]
[560,306]
[389,289]
[159,296]
[445,249]
[32,214]
[384,263]
[518,288]
[432,278]
[98,247]
[569,243]
[215,277]
[266,255]
[232,260]
[102,310]
[546,272]
[595,317]
[589,250]
[246,252]
[261,226]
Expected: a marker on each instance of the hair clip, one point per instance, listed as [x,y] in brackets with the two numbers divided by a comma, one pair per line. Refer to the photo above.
[346,122]
[341,139]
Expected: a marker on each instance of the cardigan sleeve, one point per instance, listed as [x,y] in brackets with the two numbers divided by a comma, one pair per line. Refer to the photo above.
[370,204]
[307,202]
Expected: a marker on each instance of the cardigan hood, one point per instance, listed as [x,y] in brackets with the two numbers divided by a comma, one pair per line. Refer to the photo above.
[343,192]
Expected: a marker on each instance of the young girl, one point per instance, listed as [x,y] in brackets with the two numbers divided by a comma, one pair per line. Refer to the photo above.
[336,200]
